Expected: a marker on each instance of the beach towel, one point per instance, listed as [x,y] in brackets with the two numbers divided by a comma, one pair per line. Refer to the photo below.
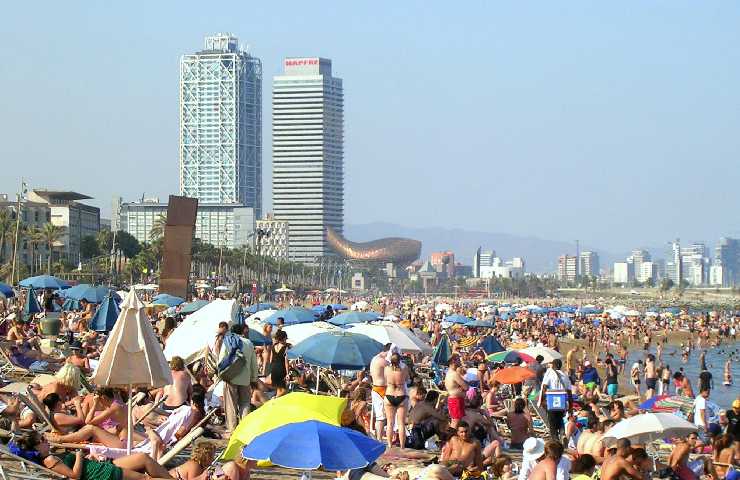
[177,419]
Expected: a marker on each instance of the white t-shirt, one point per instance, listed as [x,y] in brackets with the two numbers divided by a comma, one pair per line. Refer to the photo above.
[555,380]
[636,371]
[700,404]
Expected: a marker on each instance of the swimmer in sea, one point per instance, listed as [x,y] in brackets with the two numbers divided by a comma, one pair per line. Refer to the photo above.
[728,373]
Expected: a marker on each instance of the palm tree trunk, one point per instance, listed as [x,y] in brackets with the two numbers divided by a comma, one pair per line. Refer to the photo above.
[48,260]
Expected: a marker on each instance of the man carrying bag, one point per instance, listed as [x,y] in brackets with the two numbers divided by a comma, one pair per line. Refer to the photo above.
[556,397]
[237,368]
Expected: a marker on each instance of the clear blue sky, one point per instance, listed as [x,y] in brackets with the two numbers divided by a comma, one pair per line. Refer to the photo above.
[617,123]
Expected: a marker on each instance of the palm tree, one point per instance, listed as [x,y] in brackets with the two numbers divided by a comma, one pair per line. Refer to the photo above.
[51,234]
[157,230]
[34,238]
[6,227]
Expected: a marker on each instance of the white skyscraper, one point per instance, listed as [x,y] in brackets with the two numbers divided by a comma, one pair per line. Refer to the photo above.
[308,155]
[221,125]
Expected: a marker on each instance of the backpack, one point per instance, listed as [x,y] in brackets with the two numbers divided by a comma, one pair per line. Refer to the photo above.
[234,362]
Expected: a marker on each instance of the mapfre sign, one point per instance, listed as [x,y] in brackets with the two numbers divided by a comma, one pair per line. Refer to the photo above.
[301,62]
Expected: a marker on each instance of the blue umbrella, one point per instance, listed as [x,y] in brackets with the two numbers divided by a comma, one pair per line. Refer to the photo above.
[167,299]
[89,292]
[258,339]
[6,290]
[337,350]
[44,281]
[258,307]
[292,316]
[312,445]
[491,345]
[32,305]
[71,304]
[354,317]
[106,315]
[459,319]
[193,306]
[442,352]
[338,307]
[480,324]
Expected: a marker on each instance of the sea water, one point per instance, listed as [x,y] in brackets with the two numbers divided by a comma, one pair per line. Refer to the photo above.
[715,358]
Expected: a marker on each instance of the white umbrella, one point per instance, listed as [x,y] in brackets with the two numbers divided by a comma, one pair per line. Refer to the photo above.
[283,289]
[132,355]
[222,288]
[389,332]
[547,353]
[646,427]
[190,337]
[301,331]
[257,320]
[443,307]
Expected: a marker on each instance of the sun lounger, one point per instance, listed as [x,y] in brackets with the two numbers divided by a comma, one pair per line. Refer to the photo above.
[32,403]
[14,467]
[12,370]
[166,432]
[541,414]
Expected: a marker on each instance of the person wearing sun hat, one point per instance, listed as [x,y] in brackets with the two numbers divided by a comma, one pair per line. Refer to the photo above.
[532,449]
[733,420]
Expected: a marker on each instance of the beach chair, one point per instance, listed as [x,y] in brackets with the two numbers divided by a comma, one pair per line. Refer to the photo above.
[11,370]
[14,467]
[30,400]
[540,414]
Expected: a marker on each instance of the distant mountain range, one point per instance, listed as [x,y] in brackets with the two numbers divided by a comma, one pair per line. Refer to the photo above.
[540,255]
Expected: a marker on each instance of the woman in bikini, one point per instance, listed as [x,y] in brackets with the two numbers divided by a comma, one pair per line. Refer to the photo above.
[396,399]
[200,459]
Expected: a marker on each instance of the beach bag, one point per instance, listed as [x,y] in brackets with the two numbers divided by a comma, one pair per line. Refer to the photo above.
[234,362]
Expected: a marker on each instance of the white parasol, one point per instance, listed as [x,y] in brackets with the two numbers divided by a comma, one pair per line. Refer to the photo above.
[132,355]
[646,427]
[547,353]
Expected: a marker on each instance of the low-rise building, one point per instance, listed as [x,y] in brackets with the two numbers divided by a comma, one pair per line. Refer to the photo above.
[78,220]
[273,237]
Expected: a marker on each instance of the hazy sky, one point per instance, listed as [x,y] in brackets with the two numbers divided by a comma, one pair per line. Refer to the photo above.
[617,123]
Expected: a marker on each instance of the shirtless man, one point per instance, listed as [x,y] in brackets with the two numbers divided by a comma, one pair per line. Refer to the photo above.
[461,452]
[679,458]
[589,442]
[456,387]
[547,468]
[651,376]
[377,373]
[617,466]
[179,391]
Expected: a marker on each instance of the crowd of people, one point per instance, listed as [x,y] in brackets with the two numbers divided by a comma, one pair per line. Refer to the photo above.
[550,424]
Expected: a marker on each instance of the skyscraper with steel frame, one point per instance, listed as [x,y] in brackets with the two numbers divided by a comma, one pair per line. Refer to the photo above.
[221,125]
[308,155]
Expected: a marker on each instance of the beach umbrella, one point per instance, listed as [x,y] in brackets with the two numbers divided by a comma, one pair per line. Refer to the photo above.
[189,339]
[512,375]
[457,319]
[31,305]
[338,307]
[258,307]
[193,307]
[283,289]
[257,339]
[311,445]
[354,317]
[6,291]
[647,427]
[88,292]
[442,352]
[548,354]
[167,299]
[480,324]
[298,332]
[44,281]
[649,404]
[443,307]
[388,332]
[491,345]
[106,315]
[509,356]
[257,320]
[292,315]
[291,408]
[70,304]
[337,350]
[132,355]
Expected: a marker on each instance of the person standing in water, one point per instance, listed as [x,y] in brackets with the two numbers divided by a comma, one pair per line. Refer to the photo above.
[728,371]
